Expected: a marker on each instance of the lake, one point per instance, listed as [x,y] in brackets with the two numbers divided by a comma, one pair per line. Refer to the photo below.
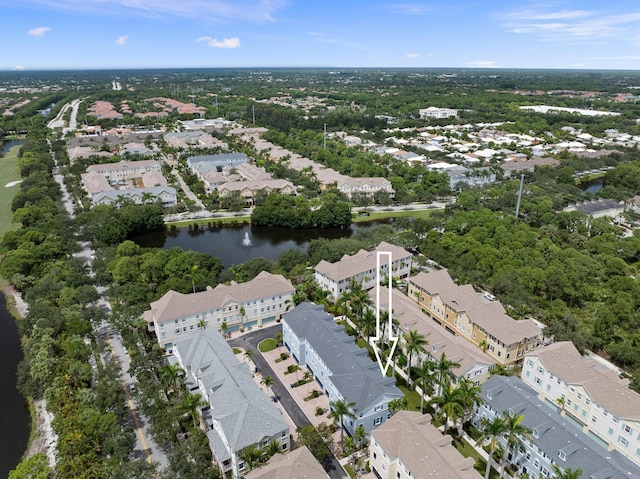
[230,245]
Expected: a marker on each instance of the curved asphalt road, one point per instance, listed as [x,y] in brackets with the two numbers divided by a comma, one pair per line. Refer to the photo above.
[250,341]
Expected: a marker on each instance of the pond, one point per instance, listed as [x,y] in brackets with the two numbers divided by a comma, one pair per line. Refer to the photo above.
[237,244]
[592,186]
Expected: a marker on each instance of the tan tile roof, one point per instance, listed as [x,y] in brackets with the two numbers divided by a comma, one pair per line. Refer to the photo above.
[121,165]
[490,316]
[411,318]
[255,185]
[604,387]
[94,182]
[409,436]
[297,464]
[349,266]
[173,304]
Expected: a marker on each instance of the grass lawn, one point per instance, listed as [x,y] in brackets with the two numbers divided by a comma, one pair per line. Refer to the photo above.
[8,173]
[236,351]
[266,345]
[467,450]
[379,215]
[413,398]
[349,469]
[235,220]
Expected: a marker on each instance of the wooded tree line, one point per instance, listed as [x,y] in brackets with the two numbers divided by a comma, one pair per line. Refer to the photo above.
[296,212]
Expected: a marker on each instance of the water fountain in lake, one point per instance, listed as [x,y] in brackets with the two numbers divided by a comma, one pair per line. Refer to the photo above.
[246,241]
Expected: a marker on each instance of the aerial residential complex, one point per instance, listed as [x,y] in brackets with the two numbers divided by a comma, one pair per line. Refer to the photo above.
[407,446]
[462,311]
[592,397]
[361,268]
[475,365]
[298,463]
[258,302]
[239,413]
[554,438]
[341,368]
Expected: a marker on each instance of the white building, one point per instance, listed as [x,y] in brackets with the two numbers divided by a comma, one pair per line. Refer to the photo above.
[364,186]
[341,368]
[595,398]
[407,446]
[239,413]
[258,302]
[361,267]
[434,112]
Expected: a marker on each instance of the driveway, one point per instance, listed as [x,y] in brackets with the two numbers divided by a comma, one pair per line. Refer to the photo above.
[281,391]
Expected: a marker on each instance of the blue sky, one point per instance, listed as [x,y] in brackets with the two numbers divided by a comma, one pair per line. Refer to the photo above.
[90,34]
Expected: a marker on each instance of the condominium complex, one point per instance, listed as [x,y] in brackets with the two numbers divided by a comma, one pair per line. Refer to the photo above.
[298,463]
[407,446]
[260,301]
[435,112]
[342,369]
[239,413]
[361,267]
[589,395]
[475,365]
[462,311]
[554,439]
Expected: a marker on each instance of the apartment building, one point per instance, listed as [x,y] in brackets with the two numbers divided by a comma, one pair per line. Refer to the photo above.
[164,194]
[475,365]
[202,163]
[239,413]
[250,189]
[435,112]
[341,368]
[258,302]
[120,172]
[364,186]
[298,463]
[554,439]
[407,446]
[591,396]
[463,312]
[361,267]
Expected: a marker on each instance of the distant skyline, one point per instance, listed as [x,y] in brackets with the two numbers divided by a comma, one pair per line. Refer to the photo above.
[105,34]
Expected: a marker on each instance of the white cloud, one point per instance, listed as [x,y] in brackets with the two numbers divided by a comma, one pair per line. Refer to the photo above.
[19,68]
[122,40]
[233,42]
[571,25]
[212,10]
[38,32]
[411,55]
[483,64]
[407,8]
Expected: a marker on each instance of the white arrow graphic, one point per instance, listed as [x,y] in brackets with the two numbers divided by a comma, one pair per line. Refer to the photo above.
[393,340]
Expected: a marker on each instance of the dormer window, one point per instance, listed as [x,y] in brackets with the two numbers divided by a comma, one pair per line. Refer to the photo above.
[535,433]
[562,455]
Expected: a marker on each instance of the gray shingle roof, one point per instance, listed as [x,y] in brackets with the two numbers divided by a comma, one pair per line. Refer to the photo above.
[357,378]
[243,411]
[555,433]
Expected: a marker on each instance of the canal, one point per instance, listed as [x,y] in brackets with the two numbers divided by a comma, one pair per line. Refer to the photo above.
[14,413]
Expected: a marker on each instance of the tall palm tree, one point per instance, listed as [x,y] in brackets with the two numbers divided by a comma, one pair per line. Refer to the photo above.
[368,324]
[470,396]
[223,329]
[202,324]
[272,448]
[170,375]
[414,342]
[248,354]
[251,455]
[443,373]
[514,434]
[491,431]
[340,410]
[360,436]
[449,404]
[568,473]
[424,380]
[398,405]
[268,381]
[191,404]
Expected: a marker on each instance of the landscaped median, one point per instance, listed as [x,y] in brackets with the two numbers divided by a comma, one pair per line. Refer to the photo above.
[266,345]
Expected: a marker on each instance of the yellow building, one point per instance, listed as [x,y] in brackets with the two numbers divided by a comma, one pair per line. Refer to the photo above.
[479,319]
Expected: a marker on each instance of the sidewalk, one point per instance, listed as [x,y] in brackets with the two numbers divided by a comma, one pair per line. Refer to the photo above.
[299,393]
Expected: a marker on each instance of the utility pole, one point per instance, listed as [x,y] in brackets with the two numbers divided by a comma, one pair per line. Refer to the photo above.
[325,136]
[519,196]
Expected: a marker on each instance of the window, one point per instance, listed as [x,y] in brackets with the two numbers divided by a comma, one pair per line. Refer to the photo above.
[562,455]
[594,419]
[627,429]
[538,382]
[535,433]
[536,463]
[623,441]
[610,431]
[377,421]
[398,474]
[379,408]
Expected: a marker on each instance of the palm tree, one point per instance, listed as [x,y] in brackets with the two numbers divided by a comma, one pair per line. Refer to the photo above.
[424,380]
[278,337]
[561,404]
[191,404]
[272,448]
[449,404]
[339,410]
[490,433]
[242,313]
[566,473]
[170,376]
[202,324]
[368,324]
[223,329]
[514,433]
[443,373]
[470,396]
[398,405]
[268,381]
[248,354]
[360,436]
[251,455]
[192,274]
[414,343]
